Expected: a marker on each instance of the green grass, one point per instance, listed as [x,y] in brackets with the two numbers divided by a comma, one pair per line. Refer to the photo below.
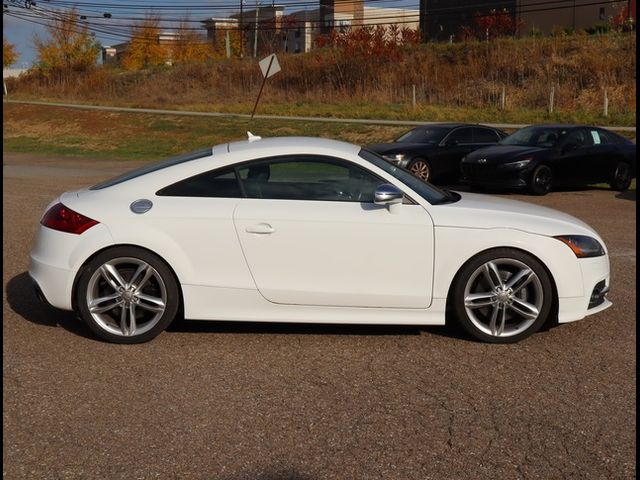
[133,136]
[393,111]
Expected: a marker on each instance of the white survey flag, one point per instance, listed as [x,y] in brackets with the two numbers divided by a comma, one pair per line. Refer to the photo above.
[269,65]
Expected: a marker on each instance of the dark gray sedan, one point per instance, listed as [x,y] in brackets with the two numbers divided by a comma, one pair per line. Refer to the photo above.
[433,152]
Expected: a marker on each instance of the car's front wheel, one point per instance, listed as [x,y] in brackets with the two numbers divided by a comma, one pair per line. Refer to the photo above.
[127,295]
[502,296]
[622,176]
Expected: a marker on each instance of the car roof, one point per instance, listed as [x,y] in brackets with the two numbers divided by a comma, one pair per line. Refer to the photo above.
[452,125]
[301,144]
[559,125]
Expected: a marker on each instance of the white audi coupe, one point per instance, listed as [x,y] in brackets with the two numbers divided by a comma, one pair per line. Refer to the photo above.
[309,230]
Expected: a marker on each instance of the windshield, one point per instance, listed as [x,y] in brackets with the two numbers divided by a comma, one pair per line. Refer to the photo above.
[423,135]
[429,192]
[545,137]
[153,168]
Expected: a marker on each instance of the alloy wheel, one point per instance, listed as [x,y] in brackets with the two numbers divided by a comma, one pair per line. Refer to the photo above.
[503,297]
[126,296]
[420,169]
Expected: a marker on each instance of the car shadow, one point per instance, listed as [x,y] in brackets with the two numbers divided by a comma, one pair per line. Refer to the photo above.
[627,195]
[22,300]
[285,328]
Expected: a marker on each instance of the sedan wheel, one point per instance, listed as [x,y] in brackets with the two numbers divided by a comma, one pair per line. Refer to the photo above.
[541,180]
[127,295]
[421,169]
[503,296]
[621,177]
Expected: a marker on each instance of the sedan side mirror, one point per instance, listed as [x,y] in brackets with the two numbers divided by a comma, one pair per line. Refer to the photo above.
[451,142]
[387,194]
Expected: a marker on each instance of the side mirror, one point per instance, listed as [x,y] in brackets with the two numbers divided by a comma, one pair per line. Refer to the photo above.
[387,194]
[451,142]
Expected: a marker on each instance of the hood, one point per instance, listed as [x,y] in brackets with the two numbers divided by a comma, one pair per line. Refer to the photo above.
[486,212]
[504,153]
[398,147]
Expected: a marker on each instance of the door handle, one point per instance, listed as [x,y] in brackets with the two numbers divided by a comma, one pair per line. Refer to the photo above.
[261,229]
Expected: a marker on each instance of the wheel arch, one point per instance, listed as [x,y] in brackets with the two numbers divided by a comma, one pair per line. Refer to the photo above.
[555,298]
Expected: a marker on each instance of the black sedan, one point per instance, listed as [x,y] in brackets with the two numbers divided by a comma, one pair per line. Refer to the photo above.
[538,157]
[433,152]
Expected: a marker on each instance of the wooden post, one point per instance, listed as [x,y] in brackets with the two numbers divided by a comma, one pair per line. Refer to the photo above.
[414,96]
[551,99]
[228,44]
[606,104]
[503,98]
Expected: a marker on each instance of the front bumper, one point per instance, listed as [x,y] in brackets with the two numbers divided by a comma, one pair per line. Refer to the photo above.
[495,175]
[595,280]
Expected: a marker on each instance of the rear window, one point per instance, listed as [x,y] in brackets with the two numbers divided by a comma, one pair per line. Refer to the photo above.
[154,167]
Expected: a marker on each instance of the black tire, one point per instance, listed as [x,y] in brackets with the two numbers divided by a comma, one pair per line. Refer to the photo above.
[420,167]
[621,177]
[516,327]
[541,180]
[150,319]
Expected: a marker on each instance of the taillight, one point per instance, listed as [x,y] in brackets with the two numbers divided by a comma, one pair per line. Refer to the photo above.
[66,220]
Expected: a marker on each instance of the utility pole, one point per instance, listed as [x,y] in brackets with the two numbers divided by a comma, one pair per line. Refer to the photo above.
[241,31]
[255,37]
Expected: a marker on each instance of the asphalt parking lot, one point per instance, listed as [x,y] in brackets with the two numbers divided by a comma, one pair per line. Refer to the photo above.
[283,402]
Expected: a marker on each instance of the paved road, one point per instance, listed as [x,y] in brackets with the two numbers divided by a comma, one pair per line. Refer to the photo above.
[366,121]
[282,402]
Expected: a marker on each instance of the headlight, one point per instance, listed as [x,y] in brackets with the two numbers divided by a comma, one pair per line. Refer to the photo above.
[395,158]
[582,246]
[518,164]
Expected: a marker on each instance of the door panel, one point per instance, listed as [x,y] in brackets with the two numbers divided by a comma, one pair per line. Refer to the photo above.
[344,254]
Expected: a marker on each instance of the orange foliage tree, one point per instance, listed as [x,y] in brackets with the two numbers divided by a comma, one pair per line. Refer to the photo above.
[145,49]
[9,55]
[70,46]
[190,46]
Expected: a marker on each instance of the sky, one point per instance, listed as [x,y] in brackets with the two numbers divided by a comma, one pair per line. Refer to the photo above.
[21,32]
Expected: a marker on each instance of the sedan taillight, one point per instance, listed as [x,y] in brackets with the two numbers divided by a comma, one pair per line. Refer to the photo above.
[66,220]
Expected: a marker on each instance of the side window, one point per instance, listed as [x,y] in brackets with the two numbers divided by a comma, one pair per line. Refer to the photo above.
[216,183]
[461,136]
[608,138]
[579,138]
[308,178]
[485,135]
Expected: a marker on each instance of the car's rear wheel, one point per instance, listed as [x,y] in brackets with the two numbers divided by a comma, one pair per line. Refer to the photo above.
[622,176]
[541,180]
[502,296]
[421,169]
[127,295]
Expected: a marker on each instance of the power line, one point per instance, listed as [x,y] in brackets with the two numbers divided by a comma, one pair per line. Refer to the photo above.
[117,31]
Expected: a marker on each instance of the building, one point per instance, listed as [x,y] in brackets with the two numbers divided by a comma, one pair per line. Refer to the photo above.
[112,55]
[445,19]
[297,32]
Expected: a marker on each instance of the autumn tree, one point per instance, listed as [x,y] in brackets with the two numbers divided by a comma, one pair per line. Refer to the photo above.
[220,43]
[190,46]
[9,55]
[70,46]
[145,49]
[496,23]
